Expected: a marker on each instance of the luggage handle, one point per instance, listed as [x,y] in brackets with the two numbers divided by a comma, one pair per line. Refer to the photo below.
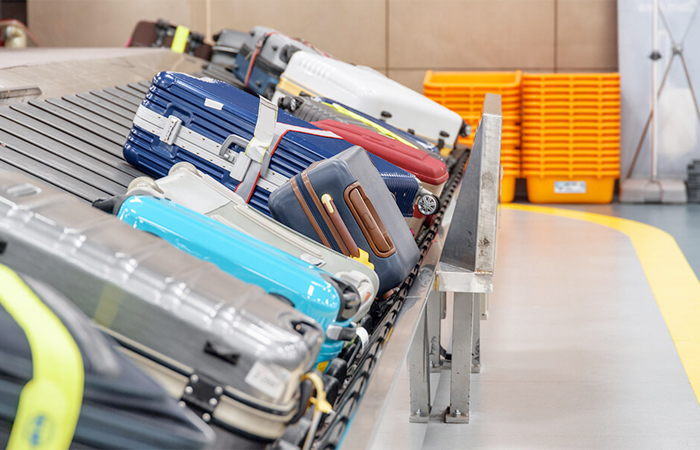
[369,221]
[339,225]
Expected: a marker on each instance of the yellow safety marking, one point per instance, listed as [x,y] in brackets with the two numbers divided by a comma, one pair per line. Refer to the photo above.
[49,404]
[673,282]
[180,39]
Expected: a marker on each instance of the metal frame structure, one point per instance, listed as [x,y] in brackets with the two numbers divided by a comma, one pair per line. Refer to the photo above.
[458,262]
[465,271]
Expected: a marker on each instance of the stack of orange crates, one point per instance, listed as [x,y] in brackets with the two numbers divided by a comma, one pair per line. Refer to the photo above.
[571,137]
[463,93]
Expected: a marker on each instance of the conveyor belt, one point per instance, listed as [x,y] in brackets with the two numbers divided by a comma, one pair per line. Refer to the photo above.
[75,143]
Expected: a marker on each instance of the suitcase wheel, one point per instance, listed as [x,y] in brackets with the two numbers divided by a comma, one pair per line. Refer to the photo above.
[288,104]
[338,369]
[183,166]
[332,387]
[428,204]
[144,186]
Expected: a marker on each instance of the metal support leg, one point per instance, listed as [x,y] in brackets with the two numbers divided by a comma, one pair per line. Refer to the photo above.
[433,315]
[463,319]
[419,374]
[484,306]
[476,333]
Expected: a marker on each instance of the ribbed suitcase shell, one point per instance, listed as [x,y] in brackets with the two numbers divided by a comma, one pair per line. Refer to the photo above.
[428,170]
[271,60]
[185,96]
[321,108]
[122,406]
[334,177]
[312,290]
[228,44]
[188,187]
[372,93]
[162,300]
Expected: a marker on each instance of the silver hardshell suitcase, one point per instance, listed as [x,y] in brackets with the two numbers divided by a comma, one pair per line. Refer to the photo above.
[199,192]
[230,352]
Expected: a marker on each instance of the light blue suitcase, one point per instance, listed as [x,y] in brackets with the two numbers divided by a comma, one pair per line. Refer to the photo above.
[329,300]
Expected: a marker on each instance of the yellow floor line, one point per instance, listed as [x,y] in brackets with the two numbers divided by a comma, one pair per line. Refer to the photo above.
[672,280]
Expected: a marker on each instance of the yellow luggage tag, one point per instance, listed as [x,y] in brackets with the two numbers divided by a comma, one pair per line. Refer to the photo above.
[180,39]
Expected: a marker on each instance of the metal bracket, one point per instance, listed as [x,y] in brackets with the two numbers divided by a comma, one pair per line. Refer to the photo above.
[202,395]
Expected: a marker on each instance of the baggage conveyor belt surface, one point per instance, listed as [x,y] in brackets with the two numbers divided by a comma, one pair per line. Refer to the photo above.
[74,142]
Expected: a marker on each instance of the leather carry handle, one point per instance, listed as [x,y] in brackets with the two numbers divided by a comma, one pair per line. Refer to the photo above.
[369,221]
[339,225]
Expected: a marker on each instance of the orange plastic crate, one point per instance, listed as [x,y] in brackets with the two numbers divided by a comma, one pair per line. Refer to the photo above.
[470,87]
[570,137]
[577,189]
[507,188]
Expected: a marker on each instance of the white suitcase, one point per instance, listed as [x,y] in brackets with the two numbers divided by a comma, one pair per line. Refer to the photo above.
[199,192]
[374,94]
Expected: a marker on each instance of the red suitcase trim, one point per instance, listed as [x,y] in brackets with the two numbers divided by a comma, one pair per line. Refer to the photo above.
[426,168]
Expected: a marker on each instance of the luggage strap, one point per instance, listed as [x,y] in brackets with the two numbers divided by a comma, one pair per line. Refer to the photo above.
[258,46]
[49,404]
[378,128]
[171,131]
[247,169]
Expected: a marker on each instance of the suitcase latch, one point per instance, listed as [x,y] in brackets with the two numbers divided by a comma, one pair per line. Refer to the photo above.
[202,395]
[171,130]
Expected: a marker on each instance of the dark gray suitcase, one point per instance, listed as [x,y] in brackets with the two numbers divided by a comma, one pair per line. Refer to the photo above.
[343,203]
[232,353]
[107,400]
[228,44]
[264,55]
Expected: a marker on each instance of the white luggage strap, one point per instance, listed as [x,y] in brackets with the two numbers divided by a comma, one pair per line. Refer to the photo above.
[171,131]
[248,169]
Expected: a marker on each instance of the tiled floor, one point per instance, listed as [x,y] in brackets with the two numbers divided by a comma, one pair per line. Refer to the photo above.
[575,353]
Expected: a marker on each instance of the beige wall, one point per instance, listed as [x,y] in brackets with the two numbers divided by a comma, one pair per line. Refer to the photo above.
[403,38]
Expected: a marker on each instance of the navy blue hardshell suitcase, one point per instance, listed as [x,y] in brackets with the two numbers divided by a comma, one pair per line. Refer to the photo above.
[209,124]
[342,203]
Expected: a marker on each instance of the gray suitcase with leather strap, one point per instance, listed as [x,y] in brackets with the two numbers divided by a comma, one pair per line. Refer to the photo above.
[342,203]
